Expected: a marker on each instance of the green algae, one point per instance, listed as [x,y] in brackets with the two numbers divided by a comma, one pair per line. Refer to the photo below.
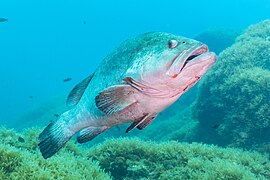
[135,159]
[127,158]
[234,95]
[22,160]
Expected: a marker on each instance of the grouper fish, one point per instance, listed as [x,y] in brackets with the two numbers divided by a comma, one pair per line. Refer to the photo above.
[133,84]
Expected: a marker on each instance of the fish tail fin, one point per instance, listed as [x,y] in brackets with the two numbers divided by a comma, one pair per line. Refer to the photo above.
[53,138]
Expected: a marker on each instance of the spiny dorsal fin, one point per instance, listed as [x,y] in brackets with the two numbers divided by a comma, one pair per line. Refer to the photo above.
[137,123]
[146,122]
[115,98]
[77,92]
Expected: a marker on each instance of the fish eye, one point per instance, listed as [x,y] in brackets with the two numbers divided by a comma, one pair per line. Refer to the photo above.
[172,43]
[184,42]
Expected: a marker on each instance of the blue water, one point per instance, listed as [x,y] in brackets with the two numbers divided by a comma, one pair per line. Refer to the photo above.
[45,42]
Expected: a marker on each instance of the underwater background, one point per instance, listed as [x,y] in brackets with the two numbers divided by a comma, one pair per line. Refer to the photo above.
[219,129]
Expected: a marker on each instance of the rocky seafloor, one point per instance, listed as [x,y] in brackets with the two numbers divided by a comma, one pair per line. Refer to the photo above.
[126,158]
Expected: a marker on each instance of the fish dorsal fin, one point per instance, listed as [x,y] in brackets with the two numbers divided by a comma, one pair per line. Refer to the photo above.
[146,122]
[77,92]
[115,98]
[138,123]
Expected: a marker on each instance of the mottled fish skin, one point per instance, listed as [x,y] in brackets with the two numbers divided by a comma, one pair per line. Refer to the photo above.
[134,83]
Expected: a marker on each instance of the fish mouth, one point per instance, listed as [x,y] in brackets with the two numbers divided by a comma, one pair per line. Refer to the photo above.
[185,57]
[195,54]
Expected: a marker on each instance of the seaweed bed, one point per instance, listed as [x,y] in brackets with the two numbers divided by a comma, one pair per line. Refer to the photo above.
[234,95]
[126,158]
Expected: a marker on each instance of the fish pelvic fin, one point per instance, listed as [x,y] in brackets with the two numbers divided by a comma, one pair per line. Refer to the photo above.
[53,138]
[147,121]
[142,123]
[89,133]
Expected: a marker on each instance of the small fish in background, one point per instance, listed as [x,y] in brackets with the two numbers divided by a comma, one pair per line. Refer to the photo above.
[30,97]
[215,126]
[84,22]
[3,20]
[20,139]
[56,115]
[67,79]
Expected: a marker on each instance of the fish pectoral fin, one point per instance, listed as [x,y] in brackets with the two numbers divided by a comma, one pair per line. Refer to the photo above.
[145,89]
[142,123]
[89,133]
[115,98]
[77,92]
[146,122]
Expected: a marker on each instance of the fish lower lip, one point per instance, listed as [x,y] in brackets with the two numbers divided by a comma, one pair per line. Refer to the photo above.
[197,52]
[184,57]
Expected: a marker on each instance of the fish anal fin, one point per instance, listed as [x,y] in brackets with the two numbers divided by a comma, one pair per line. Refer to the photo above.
[115,98]
[89,133]
[77,92]
[146,122]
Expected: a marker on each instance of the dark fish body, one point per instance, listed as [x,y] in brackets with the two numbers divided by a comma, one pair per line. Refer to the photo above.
[3,20]
[67,79]
[134,83]
[20,139]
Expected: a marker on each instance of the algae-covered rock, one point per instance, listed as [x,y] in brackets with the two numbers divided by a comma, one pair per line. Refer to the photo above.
[126,159]
[234,98]
[218,38]
[20,159]
[248,91]
[21,164]
[136,159]
[26,140]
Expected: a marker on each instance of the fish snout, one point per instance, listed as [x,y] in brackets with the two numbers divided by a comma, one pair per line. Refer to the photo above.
[185,57]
